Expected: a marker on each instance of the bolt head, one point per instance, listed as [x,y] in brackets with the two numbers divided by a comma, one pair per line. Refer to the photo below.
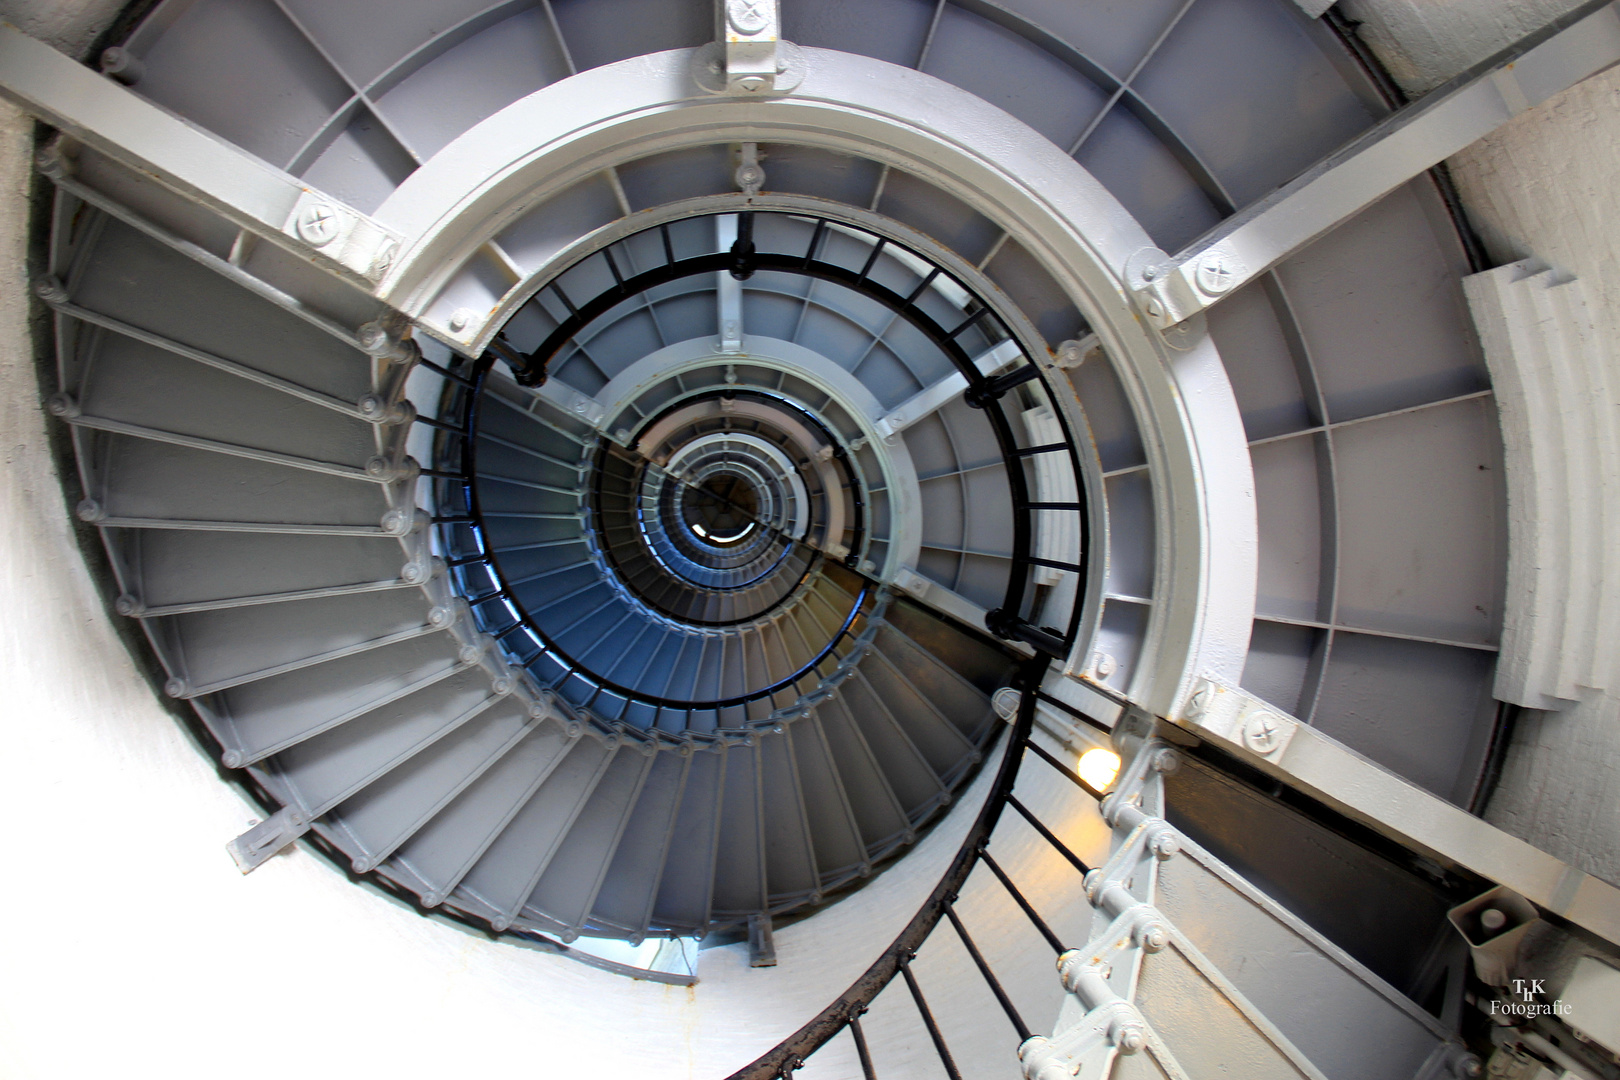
[1262,732]
[52,163]
[1216,274]
[384,258]
[459,320]
[373,337]
[50,290]
[318,223]
[747,16]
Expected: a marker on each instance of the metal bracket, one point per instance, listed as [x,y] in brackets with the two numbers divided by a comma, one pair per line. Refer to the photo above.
[751,37]
[1398,148]
[761,944]
[1239,719]
[269,837]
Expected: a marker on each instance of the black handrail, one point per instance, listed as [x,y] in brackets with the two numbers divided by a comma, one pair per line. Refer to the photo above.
[572,668]
[895,960]
[1006,621]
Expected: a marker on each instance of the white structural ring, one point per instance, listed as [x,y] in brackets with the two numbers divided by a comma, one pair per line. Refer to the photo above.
[1197,450]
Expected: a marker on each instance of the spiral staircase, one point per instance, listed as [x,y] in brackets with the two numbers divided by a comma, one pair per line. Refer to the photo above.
[740,506]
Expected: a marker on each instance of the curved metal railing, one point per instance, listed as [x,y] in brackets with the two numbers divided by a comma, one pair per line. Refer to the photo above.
[987,393]
[895,961]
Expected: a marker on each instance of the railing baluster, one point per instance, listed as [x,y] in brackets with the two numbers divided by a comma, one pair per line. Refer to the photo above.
[1040,923]
[928,1021]
[447,373]
[1064,706]
[860,1048]
[1062,848]
[989,976]
[1073,776]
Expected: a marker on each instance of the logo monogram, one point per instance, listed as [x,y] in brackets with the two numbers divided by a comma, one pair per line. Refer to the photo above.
[1525,987]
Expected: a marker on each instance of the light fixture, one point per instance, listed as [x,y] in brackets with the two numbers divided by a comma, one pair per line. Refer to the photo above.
[1098,767]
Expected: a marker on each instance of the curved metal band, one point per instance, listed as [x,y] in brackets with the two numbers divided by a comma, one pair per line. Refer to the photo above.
[1206,561]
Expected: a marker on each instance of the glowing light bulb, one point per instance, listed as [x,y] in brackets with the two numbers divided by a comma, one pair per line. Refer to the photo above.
[1098,767]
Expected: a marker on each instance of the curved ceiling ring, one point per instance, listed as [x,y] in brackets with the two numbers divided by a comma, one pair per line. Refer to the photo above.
[1207,547]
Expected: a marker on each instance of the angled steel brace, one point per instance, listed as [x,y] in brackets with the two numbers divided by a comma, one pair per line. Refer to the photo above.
[1298,754]
[1404,145]
[238,187]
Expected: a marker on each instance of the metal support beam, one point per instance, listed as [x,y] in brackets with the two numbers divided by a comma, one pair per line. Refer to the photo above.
[243,190]
[1299,755]
[1397,149]
[931,399]
[728,288]
[751,36]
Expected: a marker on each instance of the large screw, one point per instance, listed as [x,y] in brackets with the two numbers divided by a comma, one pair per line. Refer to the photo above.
[122,66]
[1215,274]
[747,16]
[1262,732]
[318,223]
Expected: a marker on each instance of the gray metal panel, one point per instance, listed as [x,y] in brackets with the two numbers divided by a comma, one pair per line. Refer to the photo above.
[1420,710]
[447,847]
[739,870]
[602,31]
[220,646]
[173,567]
[1263,366]
[631,884]
[267,97]
[329,768]
[792,869]
[506,874]
[1422,548]
[270,713]
[569,886]
[1379,300]
[1206,1035]
[387,812]
[1222,59]
[1280,659]
[1337,1013]
[136,280]
[688,881]
[1287,488]
[877,807]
